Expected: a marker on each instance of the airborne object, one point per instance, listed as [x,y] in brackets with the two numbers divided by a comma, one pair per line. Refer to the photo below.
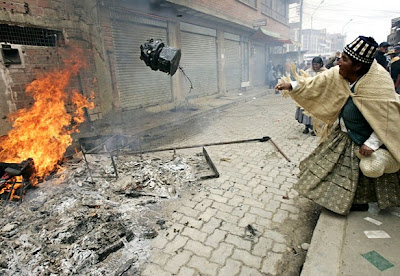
[158,56]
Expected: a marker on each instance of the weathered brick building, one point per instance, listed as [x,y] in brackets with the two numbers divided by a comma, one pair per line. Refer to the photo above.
[225,45]
[34,34]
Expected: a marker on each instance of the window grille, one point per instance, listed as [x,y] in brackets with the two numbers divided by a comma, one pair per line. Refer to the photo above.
[29,36]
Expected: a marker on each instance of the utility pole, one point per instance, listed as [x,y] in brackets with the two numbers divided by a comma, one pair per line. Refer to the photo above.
[311,30]
[300,30]
[344,35]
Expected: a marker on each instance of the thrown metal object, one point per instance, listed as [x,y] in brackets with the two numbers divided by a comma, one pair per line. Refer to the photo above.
[112,161]
[212,166]
[263,139]
[280,151]
[84,152]
[87,163]
[206,156]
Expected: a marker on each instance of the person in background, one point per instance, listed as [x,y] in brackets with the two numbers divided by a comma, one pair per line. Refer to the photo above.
[317,66]
[333,61]
[302,65]
[278,74]
[380,55]
[270,75]
[395,67]
[288,67]
[397,49]
[361,111]
[308,65]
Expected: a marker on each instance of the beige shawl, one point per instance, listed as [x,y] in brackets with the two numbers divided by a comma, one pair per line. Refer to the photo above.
[324,95]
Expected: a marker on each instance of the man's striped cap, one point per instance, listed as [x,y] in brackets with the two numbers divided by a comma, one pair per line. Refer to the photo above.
[362,49]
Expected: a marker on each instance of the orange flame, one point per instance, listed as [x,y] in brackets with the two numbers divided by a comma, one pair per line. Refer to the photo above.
[43,132]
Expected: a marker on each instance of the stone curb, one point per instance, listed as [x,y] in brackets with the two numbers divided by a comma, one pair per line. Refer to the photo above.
[324,255]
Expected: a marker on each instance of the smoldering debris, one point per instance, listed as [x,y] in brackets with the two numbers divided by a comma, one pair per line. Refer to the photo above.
[69,225]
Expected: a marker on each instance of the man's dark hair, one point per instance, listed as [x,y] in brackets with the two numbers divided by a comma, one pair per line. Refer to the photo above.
[318,60]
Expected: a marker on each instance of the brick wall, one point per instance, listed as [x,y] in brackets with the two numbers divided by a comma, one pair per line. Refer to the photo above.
[67,16]
[238,10]
[233,8]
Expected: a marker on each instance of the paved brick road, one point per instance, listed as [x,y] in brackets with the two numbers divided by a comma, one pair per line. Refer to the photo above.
[249,221]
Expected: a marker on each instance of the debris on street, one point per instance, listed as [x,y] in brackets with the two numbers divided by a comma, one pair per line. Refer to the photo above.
[69,225]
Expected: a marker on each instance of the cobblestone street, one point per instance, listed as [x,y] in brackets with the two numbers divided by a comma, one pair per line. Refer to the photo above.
[249,221]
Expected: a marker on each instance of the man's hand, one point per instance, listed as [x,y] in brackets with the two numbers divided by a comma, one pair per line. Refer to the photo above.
[365,151]
[283,86]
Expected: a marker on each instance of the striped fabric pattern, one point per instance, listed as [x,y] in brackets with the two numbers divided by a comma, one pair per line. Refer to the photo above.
[361,50]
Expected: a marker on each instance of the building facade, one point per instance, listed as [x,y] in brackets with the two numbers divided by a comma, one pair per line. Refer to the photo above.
[336,41]
[394,36]
[225,46]
[314,41]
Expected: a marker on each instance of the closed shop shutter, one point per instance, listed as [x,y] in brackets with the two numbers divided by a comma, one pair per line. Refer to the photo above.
[232,65]
[259,66]
[245,62]
[199,61]
[137,84]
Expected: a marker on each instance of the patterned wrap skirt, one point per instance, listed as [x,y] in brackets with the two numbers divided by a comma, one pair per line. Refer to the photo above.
[301,118]
[330,176]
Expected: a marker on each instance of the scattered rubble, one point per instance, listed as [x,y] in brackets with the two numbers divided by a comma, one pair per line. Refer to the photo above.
[305,246]
[69,225]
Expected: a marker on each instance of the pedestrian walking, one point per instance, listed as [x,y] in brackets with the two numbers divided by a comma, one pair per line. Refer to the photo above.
[380,55]
[395,67]
[270,75]
[317,66]
[360,109]
[302,65]
[278,74]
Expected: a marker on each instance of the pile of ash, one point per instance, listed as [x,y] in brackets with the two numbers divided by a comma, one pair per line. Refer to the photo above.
[71,225]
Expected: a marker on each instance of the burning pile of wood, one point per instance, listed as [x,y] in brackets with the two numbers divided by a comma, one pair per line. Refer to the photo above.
[16,177]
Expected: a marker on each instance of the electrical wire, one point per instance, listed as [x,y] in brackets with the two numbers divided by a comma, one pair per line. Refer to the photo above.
[350,10]
[342,7]
[191,84]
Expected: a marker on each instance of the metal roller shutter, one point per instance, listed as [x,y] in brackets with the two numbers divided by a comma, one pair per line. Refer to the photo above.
[245,62]
[199,61]
[137,84]
[259,72]
[232,65]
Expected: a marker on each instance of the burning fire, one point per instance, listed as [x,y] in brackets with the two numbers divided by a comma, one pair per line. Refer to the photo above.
[43,132]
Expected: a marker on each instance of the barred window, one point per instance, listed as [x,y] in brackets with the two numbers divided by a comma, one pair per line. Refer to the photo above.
[29,36]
